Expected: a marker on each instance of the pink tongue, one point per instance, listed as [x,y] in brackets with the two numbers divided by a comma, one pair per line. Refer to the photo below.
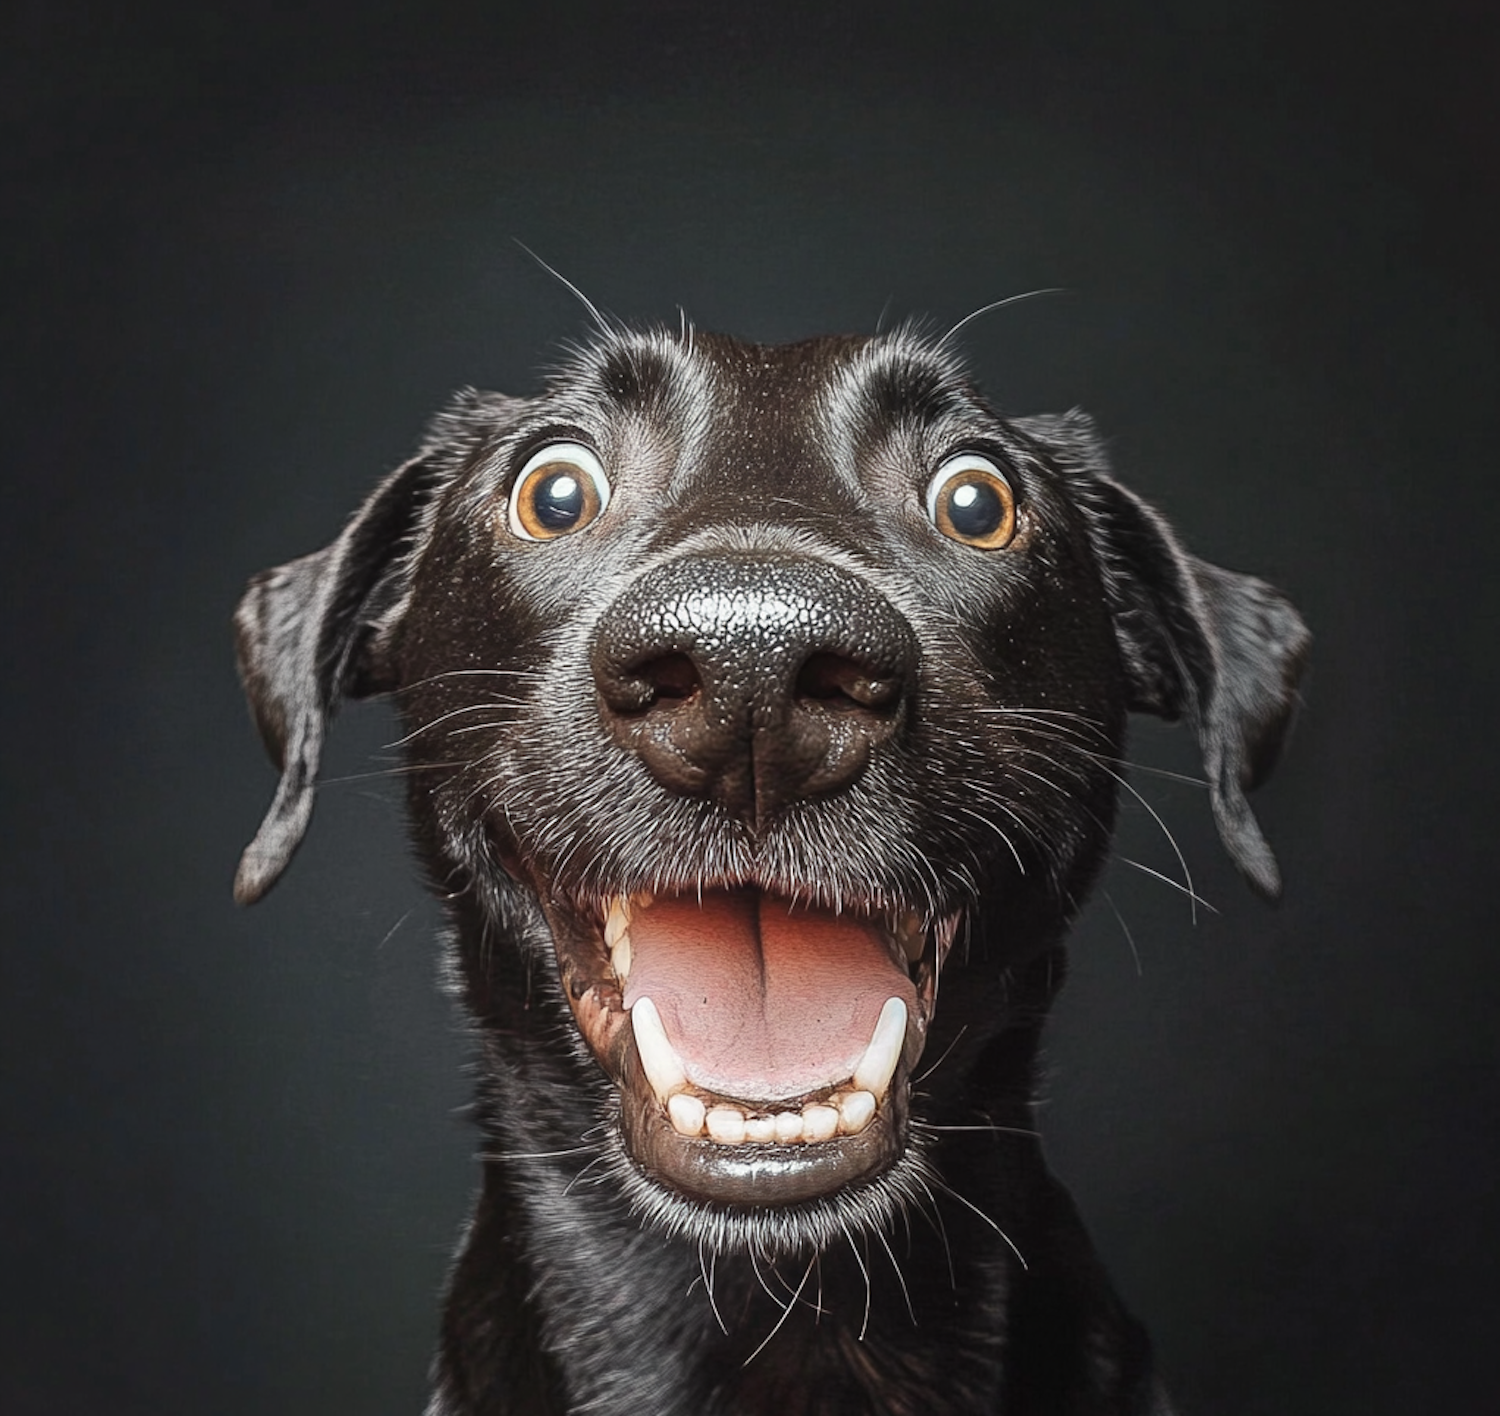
[761,1001]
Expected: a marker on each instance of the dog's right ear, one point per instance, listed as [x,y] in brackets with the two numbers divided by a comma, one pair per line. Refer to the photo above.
[1224,650]
[315,631]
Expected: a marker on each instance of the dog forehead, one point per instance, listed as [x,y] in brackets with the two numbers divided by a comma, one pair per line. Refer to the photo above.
[807,414]
[769,431]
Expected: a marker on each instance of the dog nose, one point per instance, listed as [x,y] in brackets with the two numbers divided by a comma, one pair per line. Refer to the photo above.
[756,680]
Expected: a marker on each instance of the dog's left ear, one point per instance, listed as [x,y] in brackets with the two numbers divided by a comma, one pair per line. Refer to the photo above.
[313,632]
[1225,649]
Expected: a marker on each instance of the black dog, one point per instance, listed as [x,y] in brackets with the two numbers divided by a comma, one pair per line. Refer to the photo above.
[750,692]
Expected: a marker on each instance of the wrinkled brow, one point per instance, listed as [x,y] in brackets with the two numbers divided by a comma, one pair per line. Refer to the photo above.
[901,382]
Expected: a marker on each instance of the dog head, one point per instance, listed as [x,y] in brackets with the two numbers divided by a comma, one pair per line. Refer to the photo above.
[753,691]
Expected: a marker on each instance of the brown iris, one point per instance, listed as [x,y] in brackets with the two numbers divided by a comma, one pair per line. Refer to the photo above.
[561,489]
[969,500]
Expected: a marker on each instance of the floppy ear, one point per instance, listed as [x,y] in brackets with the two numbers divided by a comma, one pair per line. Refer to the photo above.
[1224,649]
[312,632]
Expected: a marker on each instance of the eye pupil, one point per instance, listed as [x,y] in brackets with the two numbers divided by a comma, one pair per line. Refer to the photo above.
[558,501]
[975,509]
[971,501]
[562,488]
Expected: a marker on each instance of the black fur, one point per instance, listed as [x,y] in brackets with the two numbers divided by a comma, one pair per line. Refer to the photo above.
[929,727]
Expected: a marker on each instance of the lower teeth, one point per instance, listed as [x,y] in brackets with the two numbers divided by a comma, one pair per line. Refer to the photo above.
[844,1113]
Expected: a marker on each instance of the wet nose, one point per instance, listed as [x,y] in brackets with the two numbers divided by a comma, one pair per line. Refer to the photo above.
[755,680]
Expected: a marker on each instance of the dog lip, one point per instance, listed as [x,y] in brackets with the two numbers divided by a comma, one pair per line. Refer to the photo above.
[758,1174]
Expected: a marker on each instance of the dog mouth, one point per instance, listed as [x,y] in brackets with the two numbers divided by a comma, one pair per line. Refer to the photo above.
[762,1048]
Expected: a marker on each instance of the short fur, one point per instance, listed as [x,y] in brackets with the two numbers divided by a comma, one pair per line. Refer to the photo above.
[959,1279]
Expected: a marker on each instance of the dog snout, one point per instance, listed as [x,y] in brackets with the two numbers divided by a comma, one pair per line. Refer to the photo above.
[755,680]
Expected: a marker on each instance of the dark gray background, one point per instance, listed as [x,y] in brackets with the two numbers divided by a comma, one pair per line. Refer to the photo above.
[252,249]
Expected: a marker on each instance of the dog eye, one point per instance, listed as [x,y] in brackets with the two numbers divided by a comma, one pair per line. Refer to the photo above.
[562,488]
[969,500]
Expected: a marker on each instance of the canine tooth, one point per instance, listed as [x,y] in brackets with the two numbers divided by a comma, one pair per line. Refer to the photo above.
[855,1111]
[788,1126]
[687,1113]
[726,1124]
[819,1122]
[878,1065]
[760,1129]
[619,955]
[617,922]
[659,1059]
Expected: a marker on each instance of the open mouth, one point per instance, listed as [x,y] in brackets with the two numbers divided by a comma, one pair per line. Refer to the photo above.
[762,1048]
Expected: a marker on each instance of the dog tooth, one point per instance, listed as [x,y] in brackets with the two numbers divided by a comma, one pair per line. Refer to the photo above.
[855,1111]
[619,956]
[616,922]
[760,1129]
[788,1126]
[726,1124]
[687,1113]
[819,1123]
[659,1059]
[878,1065]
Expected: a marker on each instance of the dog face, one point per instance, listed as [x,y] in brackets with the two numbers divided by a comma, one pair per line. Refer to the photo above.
[750,694]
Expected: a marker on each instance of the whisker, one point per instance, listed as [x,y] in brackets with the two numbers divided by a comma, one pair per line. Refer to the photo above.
[537,1155]
[530,674]
[1076,741]
[785,1312]
[479,727]
[935,1218]
[603,1175]
[917,1081]
[1187,779]
[707,1270]
[400,769]
[1187,875]
[605,327]
[1000,305]
[1192,895]
[985,821]
[390,933]
[968,1204]
[864,1269]
[900,1277]
[442,718]
[1125,929]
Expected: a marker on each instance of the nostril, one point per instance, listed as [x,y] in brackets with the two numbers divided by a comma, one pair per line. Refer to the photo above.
[672,676]
[836,681]
[669,678]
